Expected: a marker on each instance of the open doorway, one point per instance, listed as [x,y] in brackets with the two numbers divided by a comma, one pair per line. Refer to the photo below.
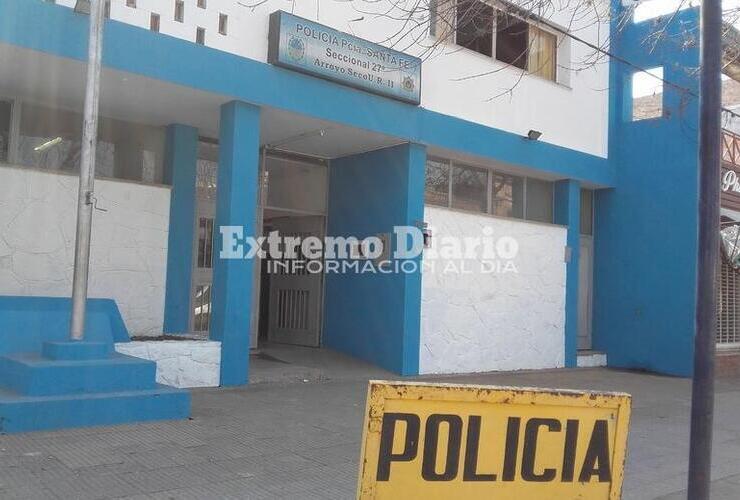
[293,205]
[288,300]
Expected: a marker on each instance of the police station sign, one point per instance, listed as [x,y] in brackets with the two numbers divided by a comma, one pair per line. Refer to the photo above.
[302,45]
[461,441]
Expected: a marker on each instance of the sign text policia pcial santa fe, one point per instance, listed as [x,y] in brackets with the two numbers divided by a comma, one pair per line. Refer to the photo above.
[302,45]
[461,441]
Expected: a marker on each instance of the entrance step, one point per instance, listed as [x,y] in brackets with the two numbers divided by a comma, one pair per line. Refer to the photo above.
[31,374]
[20,413]
[591,359]
[727,363]
[75,350]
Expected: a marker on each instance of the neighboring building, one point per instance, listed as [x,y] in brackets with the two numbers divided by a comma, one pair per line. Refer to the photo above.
[199,131]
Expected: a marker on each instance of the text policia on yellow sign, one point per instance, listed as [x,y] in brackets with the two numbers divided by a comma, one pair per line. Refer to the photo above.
[442,441]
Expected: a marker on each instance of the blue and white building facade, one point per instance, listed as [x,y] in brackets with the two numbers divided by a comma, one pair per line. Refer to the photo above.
[202,128]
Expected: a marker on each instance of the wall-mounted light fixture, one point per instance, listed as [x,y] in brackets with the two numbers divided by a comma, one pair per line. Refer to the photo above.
[534,135]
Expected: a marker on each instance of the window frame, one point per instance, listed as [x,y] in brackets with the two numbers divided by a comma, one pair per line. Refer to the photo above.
[223,24]
[155,22]
[179,14]
[560,45]
[491,172]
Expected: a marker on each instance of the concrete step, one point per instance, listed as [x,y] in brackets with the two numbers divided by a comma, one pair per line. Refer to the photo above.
[21,413]
[32,374]
[76,350]
[727,362]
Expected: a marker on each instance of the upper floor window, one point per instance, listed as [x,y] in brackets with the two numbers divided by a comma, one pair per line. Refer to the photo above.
[154,22]
[647,94]
[179,11]
[201,4]
[223,23]
[496,30]
[474,27]
[131,3]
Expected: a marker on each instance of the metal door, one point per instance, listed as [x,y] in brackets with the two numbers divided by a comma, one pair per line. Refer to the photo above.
[585,281]
[295,293]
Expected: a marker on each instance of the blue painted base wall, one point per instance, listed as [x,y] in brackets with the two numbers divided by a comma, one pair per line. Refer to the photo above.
[645,243]
[49,382]
[26,322]
[375,317]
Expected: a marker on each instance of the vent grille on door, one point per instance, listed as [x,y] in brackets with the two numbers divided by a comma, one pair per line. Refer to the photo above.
[293,309]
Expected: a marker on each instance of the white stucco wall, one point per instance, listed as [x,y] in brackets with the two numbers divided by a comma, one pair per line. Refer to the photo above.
[476,322]
[572,115]
[180,363]
[129,242]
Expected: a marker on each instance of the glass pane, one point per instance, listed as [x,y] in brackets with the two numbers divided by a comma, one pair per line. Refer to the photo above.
[51,139]
[512,40]
[202,308]
[206,174]
[296,185]
[475,26]
[5,114]
[205,242]
[507,197]
[542,53]
[469,188]
[539,200]
[437,183]
[587,211]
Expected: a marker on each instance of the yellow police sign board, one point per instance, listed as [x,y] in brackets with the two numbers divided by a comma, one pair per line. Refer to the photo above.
[466,441]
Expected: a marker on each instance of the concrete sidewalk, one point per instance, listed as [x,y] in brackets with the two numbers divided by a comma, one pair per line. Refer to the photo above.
[302,440]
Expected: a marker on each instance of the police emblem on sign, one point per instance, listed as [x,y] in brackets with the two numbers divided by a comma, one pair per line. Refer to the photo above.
[408,84]
[296,48]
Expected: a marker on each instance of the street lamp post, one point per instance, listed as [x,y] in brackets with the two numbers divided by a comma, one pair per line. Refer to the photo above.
[86,197]
[710,129]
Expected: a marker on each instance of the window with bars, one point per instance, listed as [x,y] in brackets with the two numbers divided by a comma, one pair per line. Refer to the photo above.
[728,305]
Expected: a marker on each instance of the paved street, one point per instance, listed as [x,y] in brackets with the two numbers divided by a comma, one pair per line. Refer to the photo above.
[297,439]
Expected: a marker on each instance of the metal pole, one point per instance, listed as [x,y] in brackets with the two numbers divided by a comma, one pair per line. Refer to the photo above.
[85,197]
[710,129]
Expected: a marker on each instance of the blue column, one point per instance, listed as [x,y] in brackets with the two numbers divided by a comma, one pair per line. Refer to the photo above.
[568,213]
[181,156]
[412,303]
[376,317]
[238,168]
